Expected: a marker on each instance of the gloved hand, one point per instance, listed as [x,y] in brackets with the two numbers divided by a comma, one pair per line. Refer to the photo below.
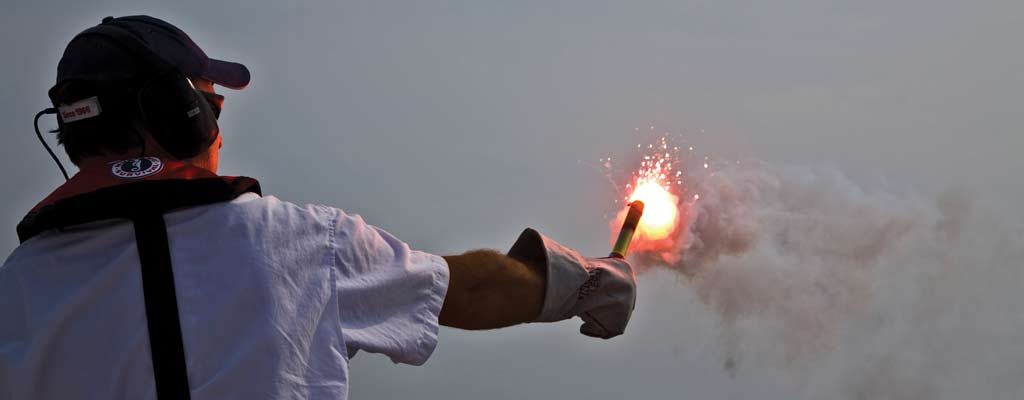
[601,291]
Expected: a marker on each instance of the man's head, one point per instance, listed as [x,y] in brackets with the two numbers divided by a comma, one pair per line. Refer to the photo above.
[138,83]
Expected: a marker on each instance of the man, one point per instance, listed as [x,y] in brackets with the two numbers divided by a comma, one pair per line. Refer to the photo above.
[147,275]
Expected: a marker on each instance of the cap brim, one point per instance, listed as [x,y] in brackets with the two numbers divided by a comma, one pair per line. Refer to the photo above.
[228,74]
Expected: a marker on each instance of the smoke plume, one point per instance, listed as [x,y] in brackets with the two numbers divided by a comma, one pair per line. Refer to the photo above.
[856,293]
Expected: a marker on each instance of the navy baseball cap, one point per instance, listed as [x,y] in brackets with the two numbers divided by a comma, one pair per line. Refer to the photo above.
[93,56]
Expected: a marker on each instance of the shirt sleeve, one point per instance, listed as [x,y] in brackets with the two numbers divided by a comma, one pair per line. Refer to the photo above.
[389,296]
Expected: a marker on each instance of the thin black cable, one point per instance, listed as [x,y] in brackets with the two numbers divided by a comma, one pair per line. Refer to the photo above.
[142,140]
[39,135]
[143,119]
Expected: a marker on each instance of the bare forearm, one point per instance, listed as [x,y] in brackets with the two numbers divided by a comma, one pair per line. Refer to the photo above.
[490,290]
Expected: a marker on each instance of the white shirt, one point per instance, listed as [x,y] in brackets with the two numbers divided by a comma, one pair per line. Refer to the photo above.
[273,300]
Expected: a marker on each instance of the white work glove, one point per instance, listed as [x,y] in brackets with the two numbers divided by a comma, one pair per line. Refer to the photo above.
[601,291]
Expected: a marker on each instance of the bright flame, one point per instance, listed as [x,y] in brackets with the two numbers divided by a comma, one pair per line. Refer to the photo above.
[660,181]
[660,211]
[657,183]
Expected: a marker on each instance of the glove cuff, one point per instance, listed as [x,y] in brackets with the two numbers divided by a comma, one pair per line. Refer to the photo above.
[565,270]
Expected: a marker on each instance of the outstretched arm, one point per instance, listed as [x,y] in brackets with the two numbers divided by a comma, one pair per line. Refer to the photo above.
[488,290]
[538,281]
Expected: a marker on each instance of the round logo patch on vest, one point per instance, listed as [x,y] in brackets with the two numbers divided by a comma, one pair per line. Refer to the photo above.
[136,167]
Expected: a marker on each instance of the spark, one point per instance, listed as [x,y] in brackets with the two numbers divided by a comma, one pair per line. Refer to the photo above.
[658,183]
[665,165]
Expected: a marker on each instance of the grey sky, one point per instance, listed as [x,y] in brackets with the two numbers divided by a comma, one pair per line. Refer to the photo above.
[454,124]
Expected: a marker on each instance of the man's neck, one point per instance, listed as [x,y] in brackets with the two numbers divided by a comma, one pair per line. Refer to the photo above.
[105,161]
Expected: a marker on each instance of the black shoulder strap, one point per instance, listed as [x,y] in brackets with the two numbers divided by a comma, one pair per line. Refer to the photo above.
[144,203]
[165,343]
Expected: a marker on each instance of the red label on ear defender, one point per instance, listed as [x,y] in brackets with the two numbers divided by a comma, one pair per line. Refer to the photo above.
[79,110]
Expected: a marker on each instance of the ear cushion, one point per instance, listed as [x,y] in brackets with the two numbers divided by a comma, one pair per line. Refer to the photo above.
[177,115]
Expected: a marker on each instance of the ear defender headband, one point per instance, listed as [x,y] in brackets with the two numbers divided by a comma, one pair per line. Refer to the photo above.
[176,114]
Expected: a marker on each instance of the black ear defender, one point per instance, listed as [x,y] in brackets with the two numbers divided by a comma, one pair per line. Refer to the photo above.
[176,114]
[117,101]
